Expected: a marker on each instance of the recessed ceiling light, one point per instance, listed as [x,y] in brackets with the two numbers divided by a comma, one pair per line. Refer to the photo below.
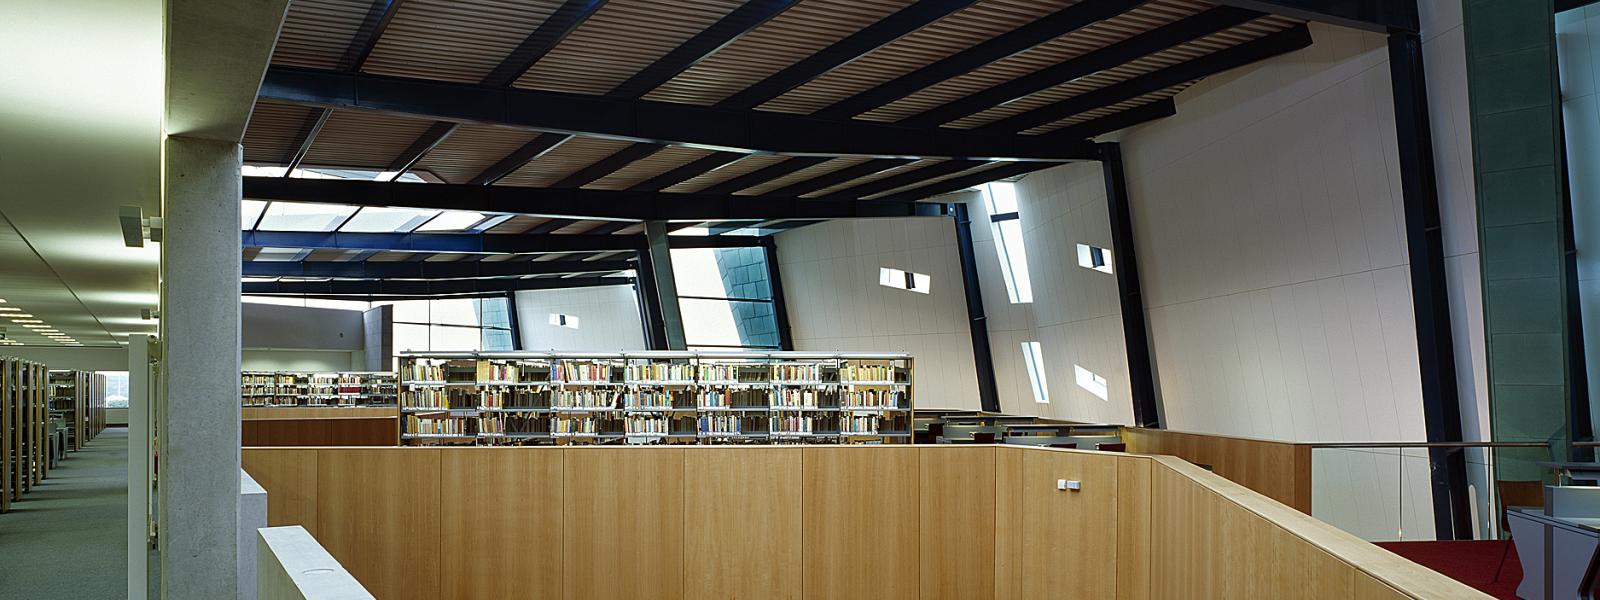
[10,309]
[15,316]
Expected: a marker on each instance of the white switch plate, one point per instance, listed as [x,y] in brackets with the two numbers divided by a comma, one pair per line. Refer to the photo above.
[1061,484]
[1074,485]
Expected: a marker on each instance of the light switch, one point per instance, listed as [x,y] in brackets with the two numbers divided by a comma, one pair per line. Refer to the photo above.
[1074,485]
[1061,484]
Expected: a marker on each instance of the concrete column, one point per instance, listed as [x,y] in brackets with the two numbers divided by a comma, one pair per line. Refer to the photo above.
[655,233]
[199,425]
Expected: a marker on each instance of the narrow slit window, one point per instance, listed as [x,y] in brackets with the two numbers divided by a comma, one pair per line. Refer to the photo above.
[1094,258]
[1033,356]
[905,280]
[1001,200]
[567,321]
[1092,381]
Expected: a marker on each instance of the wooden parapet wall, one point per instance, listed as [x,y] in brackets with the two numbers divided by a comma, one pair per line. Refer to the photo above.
[318,426]
[869,522]
[1278,470]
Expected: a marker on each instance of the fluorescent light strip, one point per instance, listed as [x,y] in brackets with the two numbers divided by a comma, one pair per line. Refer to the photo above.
[18,316]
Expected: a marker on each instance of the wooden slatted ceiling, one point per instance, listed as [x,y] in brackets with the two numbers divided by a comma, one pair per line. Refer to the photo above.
[574,154]
[961,30]
[731,170]
[360,139]
[450,40]
[517,224]
[816,170]
[471,149]
[788,38]
[274,131]
[316,33]
[620,39]
[1178,54]
[933,180]
[1062,48]
[912,166]
[650,166]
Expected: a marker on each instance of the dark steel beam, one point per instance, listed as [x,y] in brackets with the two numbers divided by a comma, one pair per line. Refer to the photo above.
[1135,334]
[551,226]
[651,121]
[955,184]
[1116,54]
[550,33]
[888,29]
[765,174]
[982,355]
[1380,16]
[404,287]
[534,149]
[1262,48]
[780,304]
[610,227]
[1566,5]
[308,134]
[1143,113]
[367,35]
[474,243]
[837,177]
[1039,31]
[574,203]
[607,165]
[429,270]
[711,39]
[1430,292]
[424,144]
[906,178]
[705,164]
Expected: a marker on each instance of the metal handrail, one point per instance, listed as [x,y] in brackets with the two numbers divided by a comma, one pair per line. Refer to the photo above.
[1315,445]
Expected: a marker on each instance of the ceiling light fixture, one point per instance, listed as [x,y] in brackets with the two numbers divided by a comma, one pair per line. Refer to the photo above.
[17,316]
[26,321]
[10,309]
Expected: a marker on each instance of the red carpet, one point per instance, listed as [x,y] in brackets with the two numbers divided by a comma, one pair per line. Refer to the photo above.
[1491,567]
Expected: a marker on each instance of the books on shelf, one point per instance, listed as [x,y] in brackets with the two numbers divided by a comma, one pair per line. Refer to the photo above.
[655,398]
[294,388]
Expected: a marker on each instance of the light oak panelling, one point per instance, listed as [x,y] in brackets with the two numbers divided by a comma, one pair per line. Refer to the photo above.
[1277,470]
[624,524]
[958,522]
[1369,588]
[500,525]
[860,523]
[742,524]
[1133,528]
[290,478]
[378,513]
[1008,510]
[1069,537]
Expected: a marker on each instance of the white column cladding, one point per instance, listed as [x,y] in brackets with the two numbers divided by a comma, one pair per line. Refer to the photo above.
[199,429]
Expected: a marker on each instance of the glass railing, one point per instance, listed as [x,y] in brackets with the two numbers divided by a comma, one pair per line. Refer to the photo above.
[1384,491]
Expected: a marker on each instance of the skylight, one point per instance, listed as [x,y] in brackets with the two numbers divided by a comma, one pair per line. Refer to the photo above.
[1000,198]
[249,211]
[297,216]
[453,220]
[377,219]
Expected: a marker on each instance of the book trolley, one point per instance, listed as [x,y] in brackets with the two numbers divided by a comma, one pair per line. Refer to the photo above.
[655,397]
[317,388]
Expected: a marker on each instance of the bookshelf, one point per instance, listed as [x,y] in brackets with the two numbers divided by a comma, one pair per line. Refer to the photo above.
[637,398]
[78,397]
[317,388]
[24,415]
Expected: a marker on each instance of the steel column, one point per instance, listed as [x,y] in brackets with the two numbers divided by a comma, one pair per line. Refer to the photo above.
[982,356]
[1141,369]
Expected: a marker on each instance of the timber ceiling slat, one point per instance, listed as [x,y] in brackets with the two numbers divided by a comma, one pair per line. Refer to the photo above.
[365,140]
[620,39]
[274,129]
[316,33]
[471,149]
[450,40]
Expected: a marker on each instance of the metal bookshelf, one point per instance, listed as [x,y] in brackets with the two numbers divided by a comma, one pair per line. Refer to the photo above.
[655,397]
[317,388]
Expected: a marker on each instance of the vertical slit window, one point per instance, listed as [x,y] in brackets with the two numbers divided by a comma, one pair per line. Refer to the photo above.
[1000,198]
[1033,356]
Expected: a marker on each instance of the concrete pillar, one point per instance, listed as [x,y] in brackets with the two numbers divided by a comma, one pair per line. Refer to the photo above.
[199,423]
[655,233]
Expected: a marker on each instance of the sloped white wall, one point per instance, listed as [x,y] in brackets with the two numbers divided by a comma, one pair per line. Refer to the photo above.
[608,319]
[830,278]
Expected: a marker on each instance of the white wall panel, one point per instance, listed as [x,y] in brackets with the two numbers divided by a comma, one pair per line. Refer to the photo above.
[608,319]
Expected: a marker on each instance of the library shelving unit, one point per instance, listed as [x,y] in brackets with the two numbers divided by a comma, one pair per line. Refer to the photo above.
[24,413]
[655,397]
[78,397]
[317,388]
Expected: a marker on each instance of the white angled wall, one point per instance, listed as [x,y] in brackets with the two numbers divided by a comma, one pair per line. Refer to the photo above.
[608,319]
[1578,41]
[830,279]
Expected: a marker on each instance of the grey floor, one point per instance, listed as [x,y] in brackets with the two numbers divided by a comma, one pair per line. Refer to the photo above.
[69,537]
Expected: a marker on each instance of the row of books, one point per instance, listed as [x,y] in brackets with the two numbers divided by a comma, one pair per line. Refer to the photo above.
[660,372]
